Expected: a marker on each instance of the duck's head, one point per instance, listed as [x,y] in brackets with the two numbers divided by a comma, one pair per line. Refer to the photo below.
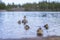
[24,16]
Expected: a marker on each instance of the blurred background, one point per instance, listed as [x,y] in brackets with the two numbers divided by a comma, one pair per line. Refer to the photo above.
[30,5]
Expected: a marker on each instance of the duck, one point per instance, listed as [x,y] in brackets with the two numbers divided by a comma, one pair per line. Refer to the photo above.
[46,26]
[19,22]
[27,27]
[24,21]
[39,32]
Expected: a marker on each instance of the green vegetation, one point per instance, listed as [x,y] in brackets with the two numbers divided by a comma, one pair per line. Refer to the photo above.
[2,6]
[41,6]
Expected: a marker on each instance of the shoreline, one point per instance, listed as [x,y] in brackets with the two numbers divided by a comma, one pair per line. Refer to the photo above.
[37,38]
[28,11]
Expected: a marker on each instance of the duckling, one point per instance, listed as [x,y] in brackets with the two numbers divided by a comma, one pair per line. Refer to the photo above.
[39,32]
[24,21]
[19,22]
[46,26]
[26,27]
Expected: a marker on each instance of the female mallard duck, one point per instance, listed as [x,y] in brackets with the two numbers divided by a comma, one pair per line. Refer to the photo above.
[24,21]
[46,26]
[39,32]
[26,27]
[19,22]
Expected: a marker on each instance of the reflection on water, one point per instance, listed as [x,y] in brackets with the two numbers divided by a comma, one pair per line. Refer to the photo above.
[9,28]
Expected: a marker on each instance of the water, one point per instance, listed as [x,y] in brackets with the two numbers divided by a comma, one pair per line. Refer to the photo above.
[9,28]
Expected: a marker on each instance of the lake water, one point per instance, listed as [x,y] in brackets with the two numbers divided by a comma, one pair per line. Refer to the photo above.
[9,28]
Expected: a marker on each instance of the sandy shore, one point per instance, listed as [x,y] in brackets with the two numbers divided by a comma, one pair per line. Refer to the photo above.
[38,38]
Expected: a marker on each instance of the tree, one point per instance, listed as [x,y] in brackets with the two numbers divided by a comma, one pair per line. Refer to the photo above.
[2,6]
